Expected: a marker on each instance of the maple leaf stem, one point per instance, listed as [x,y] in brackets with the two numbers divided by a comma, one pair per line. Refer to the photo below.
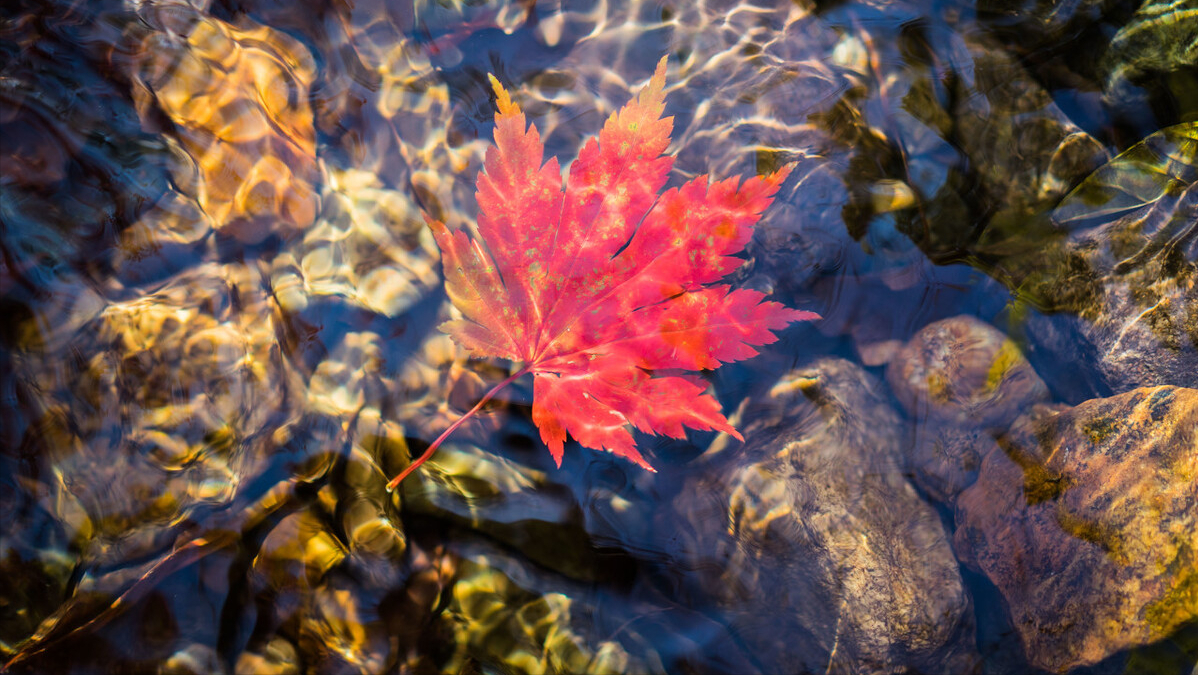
[445,434]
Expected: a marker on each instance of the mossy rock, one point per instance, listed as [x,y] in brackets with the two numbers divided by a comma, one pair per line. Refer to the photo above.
[1085,523]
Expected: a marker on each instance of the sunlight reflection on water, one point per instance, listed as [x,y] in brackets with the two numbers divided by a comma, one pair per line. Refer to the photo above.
[221,342]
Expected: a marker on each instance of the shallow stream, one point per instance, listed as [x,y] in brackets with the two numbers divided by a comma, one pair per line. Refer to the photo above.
[221,300]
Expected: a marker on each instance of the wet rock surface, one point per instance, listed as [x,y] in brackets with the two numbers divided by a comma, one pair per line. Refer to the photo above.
[1149,67]
[1085,522]
[1129,265]
[812,542]
[963,371]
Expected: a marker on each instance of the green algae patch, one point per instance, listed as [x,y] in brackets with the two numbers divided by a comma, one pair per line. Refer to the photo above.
[1179,604]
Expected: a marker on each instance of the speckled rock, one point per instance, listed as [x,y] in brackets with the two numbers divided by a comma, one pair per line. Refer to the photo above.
[963,371]
[813,544]
[1086,524]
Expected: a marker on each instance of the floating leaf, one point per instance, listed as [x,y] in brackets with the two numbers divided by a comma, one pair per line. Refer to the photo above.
[600,286]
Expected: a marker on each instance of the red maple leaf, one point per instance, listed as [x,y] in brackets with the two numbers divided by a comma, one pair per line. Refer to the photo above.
[599,287]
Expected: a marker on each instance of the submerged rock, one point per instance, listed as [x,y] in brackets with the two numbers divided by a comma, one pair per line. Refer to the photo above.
[36,560]
[1022,149]
[1030,27]
[517,505]
[813,544]
[1128,269]
[384,101]
[75,166]
[170,426]
[304,597]
[509,616]
[962,381]
[237,96]
[163,404]
[965,372]
[195,659]
[1150,63]
[275,658]
[943,108]
[369,246]
[944,460]
[1086,524]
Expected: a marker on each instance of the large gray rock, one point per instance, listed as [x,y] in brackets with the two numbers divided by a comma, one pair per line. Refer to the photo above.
[815,546]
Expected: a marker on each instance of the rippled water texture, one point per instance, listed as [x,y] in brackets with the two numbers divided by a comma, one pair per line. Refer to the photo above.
[220,301]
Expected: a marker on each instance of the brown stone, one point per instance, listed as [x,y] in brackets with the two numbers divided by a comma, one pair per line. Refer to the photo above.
[1086,523]
[963,371]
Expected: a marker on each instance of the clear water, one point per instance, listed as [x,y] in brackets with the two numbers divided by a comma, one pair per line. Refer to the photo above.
[221,301]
